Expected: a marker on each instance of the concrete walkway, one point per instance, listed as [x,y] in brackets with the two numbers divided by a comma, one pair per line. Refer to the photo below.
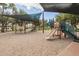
[71,50]
[30,44]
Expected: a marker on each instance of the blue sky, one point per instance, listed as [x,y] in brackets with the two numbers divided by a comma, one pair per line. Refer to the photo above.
[32,9]
[49,15]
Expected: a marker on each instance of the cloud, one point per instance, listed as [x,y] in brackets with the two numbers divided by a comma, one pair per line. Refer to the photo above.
[29,8]
[32,5]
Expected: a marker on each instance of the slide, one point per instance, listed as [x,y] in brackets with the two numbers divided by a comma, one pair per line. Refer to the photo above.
[51,34]
[69,30]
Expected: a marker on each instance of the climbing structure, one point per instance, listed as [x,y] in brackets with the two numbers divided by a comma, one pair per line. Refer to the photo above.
[68,29]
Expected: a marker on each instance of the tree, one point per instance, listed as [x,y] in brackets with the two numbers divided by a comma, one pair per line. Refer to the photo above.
[22,12]
[74,19]
[14,11]
[13,7]
[4,6]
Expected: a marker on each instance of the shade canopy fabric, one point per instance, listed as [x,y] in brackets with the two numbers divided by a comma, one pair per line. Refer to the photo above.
[72,8]
[26,17]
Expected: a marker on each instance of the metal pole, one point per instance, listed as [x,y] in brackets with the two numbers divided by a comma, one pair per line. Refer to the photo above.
[76,28]
[43,21]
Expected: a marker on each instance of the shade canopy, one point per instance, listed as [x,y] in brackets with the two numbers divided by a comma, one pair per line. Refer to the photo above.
[26,17]
[72,8]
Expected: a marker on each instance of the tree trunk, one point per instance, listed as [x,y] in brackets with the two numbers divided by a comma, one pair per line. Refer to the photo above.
[15,27]
[24,27]
[6,26]
[12,27]
[3,27]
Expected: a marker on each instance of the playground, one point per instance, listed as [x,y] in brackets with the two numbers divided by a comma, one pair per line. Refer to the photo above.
[24,34]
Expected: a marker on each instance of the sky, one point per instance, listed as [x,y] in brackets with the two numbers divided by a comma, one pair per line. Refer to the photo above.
[32,8]
[49,15]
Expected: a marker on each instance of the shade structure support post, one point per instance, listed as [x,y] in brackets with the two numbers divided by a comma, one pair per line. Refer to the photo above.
[76,28]
[43,22]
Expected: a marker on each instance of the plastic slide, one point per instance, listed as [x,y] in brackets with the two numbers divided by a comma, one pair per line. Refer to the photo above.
[69,30]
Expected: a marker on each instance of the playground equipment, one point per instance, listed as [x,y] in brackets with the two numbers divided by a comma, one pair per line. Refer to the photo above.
[69,30]
[51,23]
[55,32]
[66,28]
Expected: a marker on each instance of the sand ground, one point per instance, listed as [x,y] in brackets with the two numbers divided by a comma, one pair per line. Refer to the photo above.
[30,44]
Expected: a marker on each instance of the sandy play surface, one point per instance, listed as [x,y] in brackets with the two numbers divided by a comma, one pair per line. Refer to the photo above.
[30,44]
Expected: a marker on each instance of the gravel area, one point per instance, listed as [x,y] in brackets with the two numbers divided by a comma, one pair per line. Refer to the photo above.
[30,44]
